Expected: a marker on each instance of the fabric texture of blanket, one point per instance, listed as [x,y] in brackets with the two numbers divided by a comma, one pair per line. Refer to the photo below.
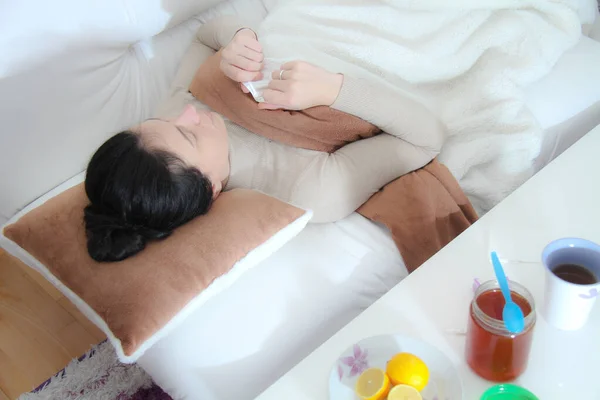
[424,209]
[467,60]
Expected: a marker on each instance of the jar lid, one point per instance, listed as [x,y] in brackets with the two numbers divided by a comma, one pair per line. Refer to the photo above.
[507,391]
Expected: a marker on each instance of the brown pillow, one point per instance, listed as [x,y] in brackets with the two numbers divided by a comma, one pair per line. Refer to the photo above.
[137,297]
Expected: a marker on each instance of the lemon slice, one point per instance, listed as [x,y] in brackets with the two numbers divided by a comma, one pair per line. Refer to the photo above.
[404,392]
[373,384]
[408,369]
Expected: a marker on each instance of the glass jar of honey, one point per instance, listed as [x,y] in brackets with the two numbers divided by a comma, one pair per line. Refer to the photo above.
[492,351]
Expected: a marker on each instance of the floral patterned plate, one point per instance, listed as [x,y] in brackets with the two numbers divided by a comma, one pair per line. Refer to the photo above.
[444,382]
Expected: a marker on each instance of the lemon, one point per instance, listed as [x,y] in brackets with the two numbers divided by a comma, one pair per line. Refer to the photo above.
[373,384]
[404,392]
[408,369]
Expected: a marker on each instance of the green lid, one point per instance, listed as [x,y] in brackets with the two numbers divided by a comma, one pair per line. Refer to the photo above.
[507,391]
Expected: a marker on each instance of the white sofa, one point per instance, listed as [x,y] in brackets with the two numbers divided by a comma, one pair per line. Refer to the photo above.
[72,73]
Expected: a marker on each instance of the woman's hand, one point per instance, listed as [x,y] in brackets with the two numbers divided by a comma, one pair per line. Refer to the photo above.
[242,58]
[299,85]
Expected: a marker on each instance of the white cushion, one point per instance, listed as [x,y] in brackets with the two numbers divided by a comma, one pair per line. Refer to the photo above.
[572,86]
[594,30]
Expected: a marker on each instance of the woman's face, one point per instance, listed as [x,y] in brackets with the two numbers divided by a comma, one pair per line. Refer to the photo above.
[198,138]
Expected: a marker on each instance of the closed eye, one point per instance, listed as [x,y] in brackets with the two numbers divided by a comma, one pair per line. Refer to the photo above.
[190,137]
[184,132]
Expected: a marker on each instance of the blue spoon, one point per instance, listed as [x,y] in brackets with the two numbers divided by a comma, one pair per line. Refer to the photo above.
[511,314]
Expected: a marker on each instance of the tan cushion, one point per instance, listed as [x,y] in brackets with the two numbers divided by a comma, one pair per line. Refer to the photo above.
[138,296]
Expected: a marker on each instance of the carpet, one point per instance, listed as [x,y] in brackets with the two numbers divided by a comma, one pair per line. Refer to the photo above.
[98,375]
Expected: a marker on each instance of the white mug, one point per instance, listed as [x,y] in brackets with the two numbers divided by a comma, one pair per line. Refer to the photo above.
[567,305]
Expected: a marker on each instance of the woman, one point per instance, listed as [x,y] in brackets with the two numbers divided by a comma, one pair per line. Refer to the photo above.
[145,182]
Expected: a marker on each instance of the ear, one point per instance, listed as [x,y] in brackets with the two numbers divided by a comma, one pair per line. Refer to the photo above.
[216,188]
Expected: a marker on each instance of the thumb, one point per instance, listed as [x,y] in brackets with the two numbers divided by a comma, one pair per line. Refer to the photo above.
[244,88]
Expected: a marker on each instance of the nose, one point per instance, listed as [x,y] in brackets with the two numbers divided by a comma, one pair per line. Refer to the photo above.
[188,115]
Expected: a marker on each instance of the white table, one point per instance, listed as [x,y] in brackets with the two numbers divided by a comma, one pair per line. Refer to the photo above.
[432,303]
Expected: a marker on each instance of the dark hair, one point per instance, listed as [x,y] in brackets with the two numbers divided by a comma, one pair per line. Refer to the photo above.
[138,194]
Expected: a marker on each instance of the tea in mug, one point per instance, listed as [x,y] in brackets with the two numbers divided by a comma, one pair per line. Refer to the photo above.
[574,273]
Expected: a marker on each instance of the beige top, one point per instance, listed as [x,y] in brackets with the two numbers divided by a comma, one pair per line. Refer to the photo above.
[332,185]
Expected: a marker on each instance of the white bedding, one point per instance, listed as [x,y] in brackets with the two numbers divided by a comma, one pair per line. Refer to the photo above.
[566,102]
[467,60]
[243,339]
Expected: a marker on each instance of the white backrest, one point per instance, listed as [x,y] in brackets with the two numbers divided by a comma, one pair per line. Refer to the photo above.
[73,72]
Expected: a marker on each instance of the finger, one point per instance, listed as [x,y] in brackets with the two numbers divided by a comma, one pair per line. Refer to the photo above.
[291,65]
[244,88]
[239,75]
[267,106]
[250,43]
[275,97]
[248,65]
[281,75]
[282,86]
[249,53]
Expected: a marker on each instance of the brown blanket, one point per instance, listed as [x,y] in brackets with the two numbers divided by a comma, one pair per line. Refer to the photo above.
[424,209]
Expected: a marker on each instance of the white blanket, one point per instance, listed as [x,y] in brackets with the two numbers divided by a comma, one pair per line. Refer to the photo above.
[468,60]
